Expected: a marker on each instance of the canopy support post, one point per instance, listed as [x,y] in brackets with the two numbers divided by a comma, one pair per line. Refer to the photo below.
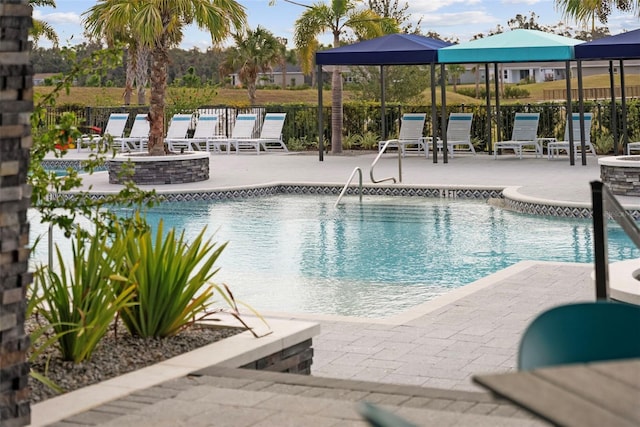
[487,82]
[498,77]
[320,118]
[623,95]
[434,114]
[443,119]
[572,154]
[614,115]
[382,102]
[583,136]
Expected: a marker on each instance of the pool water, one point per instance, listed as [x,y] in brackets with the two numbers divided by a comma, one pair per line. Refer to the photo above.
[295,253]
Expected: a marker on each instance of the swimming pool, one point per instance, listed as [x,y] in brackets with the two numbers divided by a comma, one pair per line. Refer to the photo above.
[293,253]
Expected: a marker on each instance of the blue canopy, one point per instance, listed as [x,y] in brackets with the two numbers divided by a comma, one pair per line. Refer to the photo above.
[620,46]
[512,46]
[393,49]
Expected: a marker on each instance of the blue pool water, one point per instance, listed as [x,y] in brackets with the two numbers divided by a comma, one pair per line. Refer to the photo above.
[378,258]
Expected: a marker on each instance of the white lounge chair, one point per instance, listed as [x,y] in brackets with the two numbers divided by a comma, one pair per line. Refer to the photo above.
[410,138]
[525,134]
[207,128]
[113,129]
[242,130]
[554,147]
[177,131]
[458,133]
[138,137]
[270,135]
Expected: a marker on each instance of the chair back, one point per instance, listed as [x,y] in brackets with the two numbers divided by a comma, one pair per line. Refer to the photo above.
[140,128]
[459,127]
[412,126]
[525,127]
[244,125]
[206,127]
[272,126]
[179,126]
[116,124]
[581,333]
[576,127]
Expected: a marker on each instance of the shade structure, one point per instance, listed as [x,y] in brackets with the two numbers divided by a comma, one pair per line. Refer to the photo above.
[512,46]
[621,46]
[392,49]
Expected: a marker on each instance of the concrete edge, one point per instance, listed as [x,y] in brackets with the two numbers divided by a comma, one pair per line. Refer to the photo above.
[230,352]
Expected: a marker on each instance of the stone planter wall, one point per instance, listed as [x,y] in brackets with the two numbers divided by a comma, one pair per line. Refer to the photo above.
[296,359]
[621,175]
[155,170]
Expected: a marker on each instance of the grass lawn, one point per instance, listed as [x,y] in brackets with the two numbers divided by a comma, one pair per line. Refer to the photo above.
[93,96]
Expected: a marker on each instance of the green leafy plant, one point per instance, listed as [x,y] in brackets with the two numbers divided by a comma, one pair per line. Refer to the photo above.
[80,301]
[369,141]
[170,278]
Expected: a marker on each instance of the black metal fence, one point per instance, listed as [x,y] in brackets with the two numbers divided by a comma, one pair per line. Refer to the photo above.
[301,126]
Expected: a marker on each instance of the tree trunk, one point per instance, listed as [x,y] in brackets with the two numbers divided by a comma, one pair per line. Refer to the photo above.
[251,91]
[159,61]
[336,104]
[129,76]
[336,112]
[142,73]
[284,72]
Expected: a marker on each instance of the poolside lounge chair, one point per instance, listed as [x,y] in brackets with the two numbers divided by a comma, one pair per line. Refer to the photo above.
[554,147]
[242,130]
[458,133]
[177,131]
[138,137]
[113,129]
[270,135]
[581,333]
[410,138]
[525,134]
[207,128]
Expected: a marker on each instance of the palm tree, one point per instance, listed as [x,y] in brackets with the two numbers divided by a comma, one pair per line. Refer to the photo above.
[335,18]
[586,11]
[157,25]
[41,29]
[254,52]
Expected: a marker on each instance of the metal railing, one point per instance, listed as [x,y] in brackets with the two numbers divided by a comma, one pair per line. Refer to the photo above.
[605,206]
[373,165]
[346,186]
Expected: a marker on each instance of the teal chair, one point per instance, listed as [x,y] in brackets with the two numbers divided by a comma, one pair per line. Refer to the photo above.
[378,417]
[580,333]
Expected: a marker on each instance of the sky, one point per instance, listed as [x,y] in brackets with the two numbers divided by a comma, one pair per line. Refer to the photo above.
[452,19]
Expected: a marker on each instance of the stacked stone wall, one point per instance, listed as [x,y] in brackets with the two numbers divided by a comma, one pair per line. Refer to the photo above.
[16,105]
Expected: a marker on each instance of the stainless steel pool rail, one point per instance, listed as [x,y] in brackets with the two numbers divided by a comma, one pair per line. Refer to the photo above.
[373,165]
[344,189]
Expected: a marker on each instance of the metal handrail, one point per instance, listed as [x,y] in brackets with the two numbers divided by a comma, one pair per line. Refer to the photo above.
[384,148]
[344,189]
[605,206]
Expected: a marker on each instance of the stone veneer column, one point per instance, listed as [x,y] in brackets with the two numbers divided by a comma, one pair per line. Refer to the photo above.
[16,105]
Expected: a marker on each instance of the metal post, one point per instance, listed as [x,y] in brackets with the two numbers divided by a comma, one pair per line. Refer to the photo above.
[600,241]
[320,118]
[487,83]
[572,154]
[443,119]
[434,114]
[623,101]
[583,136]
[614,115]
[382,102]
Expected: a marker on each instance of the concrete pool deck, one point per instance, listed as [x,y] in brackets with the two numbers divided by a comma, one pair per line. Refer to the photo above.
[418,363]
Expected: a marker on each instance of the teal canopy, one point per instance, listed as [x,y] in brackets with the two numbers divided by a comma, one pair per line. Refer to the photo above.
[512,46]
